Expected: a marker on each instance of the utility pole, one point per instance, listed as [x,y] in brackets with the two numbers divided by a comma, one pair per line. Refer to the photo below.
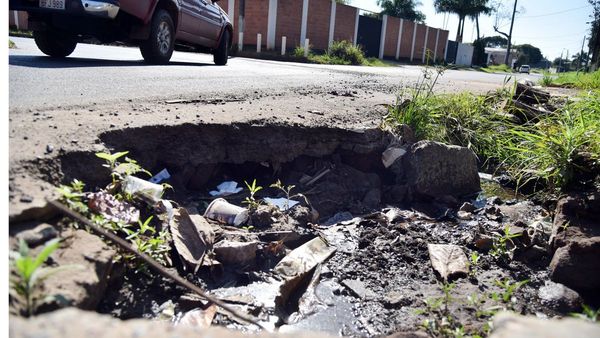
[560,62]
[581,54]
[512,22]
[509,35]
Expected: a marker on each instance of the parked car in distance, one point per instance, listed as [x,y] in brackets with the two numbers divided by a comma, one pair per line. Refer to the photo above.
[156,26]
[524,69]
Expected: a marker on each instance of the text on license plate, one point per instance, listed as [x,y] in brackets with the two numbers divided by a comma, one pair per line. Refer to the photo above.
[54,4]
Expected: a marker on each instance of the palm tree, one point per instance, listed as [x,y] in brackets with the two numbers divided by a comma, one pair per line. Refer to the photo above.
[463,8]
[480,7]
[405,9]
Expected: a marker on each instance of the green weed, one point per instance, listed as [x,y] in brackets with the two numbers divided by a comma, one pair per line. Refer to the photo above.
[587,313]
[251,200]
[503,244]
[579,80]
[508,290]
[28,273]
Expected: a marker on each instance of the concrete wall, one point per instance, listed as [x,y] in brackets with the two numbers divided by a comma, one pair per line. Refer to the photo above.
[345,23]
[317,29]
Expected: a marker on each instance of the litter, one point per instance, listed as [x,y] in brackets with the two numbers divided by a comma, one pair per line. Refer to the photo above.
[304,258]
[225,189]
[137,186]
[199,318]
[282,203]
[161,176]
[225,212]
[112,209]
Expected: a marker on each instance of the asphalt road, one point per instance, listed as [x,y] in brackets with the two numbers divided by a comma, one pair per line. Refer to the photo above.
[109,74]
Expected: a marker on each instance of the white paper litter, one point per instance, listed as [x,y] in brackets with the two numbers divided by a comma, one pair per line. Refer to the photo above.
[161,176]
[283,204]
[226,188]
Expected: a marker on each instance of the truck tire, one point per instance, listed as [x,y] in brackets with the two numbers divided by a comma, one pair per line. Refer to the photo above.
[55,43]
[222,52]
[159,46]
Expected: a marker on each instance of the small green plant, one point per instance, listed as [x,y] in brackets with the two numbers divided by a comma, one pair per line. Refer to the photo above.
[546,80]
[504,245]
[587,313]
[251,200]
[73,195]
[287,190]
[28,273]
[508,290]
[474,263]
[298,52]
[11,44]
[345,51]
[119,170]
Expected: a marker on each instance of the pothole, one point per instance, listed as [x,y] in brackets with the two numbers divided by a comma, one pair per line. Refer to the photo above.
[374,200]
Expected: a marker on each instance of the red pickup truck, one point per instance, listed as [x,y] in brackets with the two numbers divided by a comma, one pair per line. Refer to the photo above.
[156,26]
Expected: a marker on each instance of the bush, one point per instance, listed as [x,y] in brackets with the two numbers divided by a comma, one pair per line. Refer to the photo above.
[299,52]
[346,52]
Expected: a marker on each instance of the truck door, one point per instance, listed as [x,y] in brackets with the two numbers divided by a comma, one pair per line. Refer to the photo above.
[212,20]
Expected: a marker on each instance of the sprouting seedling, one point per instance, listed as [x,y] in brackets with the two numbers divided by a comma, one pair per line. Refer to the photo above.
[30,273]
[500,247]
[474,262]
[73,194]
[111,159]
[286,189]
[509,288]
[252,202]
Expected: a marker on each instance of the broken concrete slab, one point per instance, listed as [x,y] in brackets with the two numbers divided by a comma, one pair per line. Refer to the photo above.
[510,325]
[82,287]
[436,169]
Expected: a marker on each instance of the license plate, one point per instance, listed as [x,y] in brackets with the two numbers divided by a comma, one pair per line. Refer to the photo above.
[54,4]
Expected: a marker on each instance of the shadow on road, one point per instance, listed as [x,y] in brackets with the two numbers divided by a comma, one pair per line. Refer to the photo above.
[74,62]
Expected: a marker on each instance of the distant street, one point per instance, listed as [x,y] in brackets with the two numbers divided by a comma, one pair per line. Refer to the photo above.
[96,74]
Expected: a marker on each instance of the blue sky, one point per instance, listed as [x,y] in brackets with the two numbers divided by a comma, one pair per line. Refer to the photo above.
[554,26]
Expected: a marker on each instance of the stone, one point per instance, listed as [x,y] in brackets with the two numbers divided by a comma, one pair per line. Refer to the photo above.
[467,207]
[464,215]
[372,198]
[359,289]
[73,322]
[577,266]
[436,169]
[38,235]
[233,252]
[84,286]
[395,299]
[576,217]
[559,297]
[509,325]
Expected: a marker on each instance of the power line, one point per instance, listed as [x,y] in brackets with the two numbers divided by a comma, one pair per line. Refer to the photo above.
[554,13]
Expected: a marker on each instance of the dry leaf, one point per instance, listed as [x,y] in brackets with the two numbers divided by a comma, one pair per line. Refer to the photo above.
[199,318]
[112,209]
[192,236]
[448,260]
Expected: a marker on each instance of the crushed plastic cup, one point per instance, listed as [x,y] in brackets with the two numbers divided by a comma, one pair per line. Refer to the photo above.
[137,186]
[225,212]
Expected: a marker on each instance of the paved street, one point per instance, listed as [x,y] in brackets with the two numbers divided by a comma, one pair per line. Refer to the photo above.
[109,74]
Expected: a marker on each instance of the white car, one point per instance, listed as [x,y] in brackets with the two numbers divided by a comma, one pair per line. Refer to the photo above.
[524,69]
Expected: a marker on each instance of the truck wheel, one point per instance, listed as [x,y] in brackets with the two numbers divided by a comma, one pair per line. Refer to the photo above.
[159,46]
[55,43]
[222,52]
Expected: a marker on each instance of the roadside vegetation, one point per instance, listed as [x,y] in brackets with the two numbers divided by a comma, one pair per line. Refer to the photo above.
[497,69]
[551,153]
[578,80]
[340,53]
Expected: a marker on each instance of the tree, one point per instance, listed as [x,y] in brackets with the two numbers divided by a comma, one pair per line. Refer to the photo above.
[529,54]
[463,8]
[509,34]
[594,42]
[494,41]
[405,9]
[479,7]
